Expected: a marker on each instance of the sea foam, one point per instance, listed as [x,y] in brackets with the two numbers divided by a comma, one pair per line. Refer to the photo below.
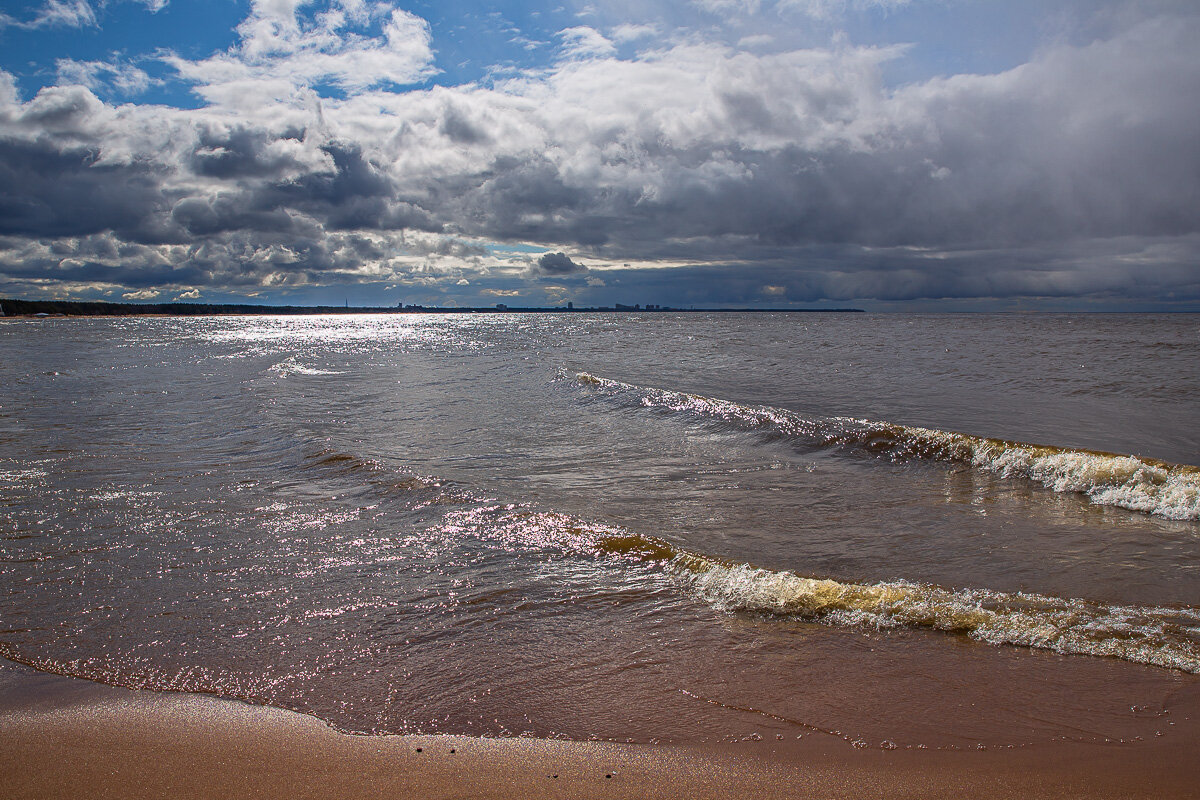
[1157,636]
[1110,479]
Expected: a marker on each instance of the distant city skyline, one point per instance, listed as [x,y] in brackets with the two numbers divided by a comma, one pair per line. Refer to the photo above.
[880,154]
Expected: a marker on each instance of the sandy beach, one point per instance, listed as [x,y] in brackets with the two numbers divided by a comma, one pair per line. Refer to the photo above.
[62,737]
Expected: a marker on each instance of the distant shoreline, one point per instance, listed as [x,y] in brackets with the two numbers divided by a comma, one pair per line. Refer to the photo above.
[72,308]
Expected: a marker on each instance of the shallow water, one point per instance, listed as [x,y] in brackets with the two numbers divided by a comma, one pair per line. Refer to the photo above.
[903,530]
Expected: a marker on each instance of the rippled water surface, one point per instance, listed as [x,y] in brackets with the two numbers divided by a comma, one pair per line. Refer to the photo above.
[943,531]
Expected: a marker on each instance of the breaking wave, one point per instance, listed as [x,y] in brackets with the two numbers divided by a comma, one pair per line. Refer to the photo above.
[1124,481]
[1157,636]
[290,366]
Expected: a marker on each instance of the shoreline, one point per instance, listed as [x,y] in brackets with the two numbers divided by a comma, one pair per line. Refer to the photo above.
[62,736]
[14,308]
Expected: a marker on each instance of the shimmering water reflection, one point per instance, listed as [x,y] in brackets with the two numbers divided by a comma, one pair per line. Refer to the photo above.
[431,523]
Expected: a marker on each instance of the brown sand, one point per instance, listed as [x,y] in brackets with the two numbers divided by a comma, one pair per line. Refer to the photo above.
[62,738]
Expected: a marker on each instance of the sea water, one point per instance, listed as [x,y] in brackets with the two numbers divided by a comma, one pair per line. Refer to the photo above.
[901,530]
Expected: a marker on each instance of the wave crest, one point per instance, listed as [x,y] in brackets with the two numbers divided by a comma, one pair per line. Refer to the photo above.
[1110,479]
[1156,636]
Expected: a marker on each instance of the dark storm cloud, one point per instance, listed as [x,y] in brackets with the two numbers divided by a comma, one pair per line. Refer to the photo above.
[356,195]
[289,195]
[516,198]
[240,152]
[553,264]
[57,182]
[842,277]
[51,191]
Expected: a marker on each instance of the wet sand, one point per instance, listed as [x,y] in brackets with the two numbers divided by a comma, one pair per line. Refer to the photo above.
[61,737]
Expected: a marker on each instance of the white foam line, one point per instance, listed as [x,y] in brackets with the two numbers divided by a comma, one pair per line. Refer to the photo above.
[1124,481]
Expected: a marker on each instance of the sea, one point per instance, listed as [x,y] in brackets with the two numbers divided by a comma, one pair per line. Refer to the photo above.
[898,531]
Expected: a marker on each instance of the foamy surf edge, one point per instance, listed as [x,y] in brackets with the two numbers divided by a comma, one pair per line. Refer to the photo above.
[1156,636]
[1139,484]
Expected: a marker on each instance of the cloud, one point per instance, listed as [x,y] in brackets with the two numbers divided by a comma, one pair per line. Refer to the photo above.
[66,13]
[282,52]
[66,188]
[583,42]
[97,75]
[755,40]
[1055,277]
[556,264]
[826,9]
[728,8]
[70,14]
[308,164]
[628,32]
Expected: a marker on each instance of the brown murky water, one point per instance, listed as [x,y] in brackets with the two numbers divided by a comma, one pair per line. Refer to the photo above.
[628,527]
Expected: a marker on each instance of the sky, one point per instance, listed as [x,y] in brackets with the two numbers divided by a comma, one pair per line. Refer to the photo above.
[879,154]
